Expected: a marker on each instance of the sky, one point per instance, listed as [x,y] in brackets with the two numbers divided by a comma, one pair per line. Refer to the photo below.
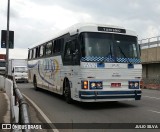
[35,20]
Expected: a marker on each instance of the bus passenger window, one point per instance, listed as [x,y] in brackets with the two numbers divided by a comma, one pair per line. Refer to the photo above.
[37,52]
[41,51]
[29,54]
[58,45]
[71,53]
[49,48]
[34,53]
[67,53]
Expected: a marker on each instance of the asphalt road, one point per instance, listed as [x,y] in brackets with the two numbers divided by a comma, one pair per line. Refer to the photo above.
[57,110]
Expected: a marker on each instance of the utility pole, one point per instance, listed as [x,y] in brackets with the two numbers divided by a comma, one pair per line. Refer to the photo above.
[7,41]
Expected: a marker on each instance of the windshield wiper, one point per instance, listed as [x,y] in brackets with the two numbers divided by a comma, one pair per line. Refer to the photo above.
[110,53]
[124,54]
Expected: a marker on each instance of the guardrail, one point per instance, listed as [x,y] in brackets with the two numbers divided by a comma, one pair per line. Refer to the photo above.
[150,50]
[150,42]
[23,106]
[19,101]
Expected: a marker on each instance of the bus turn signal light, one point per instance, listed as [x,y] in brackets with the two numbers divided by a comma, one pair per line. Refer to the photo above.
[84,84]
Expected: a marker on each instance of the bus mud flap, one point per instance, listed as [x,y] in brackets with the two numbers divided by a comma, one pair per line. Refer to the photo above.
[96,93]
[136,97]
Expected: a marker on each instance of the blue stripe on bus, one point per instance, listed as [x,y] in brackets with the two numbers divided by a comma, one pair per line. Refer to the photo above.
[138,97]
[109,94]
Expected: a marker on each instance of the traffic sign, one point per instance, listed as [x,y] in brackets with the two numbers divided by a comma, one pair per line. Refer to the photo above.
[4,39]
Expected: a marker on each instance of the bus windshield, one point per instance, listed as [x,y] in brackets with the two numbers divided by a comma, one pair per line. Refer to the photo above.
[103,45]
[127,45]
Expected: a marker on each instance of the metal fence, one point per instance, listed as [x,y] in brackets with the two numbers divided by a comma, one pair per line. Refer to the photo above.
[150,42]
[150,50]
[151,80]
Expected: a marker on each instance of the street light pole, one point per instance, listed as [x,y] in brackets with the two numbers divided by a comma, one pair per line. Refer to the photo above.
[7,39]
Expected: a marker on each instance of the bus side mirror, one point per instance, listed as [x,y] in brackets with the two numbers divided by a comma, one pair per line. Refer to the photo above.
[75,56]
[75,52]
[13,70]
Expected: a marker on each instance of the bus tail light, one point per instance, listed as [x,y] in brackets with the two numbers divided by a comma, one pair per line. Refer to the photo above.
[84,84]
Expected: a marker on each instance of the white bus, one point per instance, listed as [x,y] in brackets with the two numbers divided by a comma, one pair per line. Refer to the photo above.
[88,63]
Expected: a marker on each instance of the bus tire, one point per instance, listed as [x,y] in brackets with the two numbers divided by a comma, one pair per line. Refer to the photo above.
[35,83]
[67,93]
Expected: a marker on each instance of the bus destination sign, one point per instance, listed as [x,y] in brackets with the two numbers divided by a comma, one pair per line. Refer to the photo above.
[108,29]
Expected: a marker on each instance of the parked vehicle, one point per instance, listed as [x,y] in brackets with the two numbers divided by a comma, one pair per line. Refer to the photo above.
[18,69]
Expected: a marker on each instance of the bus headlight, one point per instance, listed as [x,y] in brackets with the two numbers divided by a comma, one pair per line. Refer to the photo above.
[133,84]
[96,85]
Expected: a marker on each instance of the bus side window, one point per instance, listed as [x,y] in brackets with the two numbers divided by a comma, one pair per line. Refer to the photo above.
[71,53]
[76,52]
[49,48]
[58,45]
[34,53]
[67,53]
[29,54]
[37,52]
[41,51]
[53,43]
[30,57]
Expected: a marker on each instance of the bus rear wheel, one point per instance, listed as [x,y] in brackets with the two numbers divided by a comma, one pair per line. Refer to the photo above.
[35,83]
[67,93]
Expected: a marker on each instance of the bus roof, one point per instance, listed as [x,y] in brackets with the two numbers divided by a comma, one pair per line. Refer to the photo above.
[91,27]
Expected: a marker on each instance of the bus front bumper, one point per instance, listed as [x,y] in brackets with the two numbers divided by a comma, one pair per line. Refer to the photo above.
[110,95]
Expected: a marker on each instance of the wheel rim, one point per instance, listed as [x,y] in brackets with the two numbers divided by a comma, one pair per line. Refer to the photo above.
[66,93]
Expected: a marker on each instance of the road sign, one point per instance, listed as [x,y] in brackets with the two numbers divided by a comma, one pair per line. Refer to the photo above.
[4,39]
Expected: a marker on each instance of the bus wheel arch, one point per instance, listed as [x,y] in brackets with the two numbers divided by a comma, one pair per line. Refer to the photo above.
[67,91]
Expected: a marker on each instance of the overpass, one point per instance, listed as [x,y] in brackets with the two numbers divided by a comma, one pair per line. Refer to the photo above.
[150,56]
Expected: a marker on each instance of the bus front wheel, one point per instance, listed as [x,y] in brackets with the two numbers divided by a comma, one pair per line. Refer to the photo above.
[67,93]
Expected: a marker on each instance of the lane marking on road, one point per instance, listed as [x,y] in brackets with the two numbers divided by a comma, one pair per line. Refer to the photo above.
[41,112]
[154,111]
[150,97]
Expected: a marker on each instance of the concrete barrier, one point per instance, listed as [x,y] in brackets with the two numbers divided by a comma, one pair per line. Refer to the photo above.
[18,105]
[14,107]
[150,55]
[7,86]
